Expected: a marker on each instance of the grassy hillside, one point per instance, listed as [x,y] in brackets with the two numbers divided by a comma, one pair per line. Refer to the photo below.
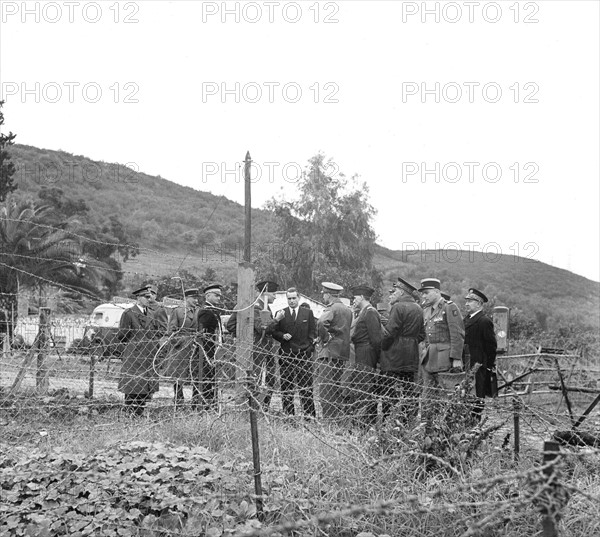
[156,212]
[182,228]
[548,295]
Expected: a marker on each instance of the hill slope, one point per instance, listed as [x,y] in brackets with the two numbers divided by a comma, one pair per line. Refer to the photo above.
[179,227]
[156,212]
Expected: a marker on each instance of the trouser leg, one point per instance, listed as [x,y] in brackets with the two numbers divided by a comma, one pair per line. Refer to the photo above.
[209,383]
[178,392]
[270,379]
[287,370]
[304,378]
[362,401]
[477,409]
[196,370]
[330,387]
[410,395]
[136,402]
[429,397]
[386,389]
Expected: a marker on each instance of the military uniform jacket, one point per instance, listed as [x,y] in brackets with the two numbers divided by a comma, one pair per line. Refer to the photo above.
[480,348]
[139,332]
[333,329]
[209,325]
[401,337]
[445,336]
[303,331]
[160,314]
[366,337]
[182,355]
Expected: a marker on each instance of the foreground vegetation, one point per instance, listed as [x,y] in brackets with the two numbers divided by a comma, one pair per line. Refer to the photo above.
[83,468]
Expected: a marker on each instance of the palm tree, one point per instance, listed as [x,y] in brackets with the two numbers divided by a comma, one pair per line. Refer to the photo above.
[34,255]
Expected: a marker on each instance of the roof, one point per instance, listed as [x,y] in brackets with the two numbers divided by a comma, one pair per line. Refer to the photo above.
[280,303]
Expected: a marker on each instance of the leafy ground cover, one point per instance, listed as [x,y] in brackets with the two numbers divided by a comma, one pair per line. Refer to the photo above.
[68,471]
[135,488]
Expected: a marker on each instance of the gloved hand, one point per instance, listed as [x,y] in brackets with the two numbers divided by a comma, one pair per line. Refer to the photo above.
[456,364]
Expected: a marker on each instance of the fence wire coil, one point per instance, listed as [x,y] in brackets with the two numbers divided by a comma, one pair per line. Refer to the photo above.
[377,453]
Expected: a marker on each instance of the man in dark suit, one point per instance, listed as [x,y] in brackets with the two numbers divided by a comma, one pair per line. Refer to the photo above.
[138,329]
[296,331]
[209,326]
[480,348]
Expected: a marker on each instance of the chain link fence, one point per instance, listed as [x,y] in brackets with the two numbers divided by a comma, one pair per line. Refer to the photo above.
[345,450]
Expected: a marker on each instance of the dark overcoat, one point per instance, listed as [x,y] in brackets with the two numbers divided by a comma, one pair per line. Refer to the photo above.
[480,348]
[161,316]
[140,334]
[182,360]
[209,325]
[366,337]
[402,334]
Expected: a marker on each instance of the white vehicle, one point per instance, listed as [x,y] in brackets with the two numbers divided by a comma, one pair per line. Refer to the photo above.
[103,325]
[108,315]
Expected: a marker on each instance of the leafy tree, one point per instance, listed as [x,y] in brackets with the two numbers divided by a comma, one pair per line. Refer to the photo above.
[7,168]
[326,234]
[62,208]
[36,256]
[104,241]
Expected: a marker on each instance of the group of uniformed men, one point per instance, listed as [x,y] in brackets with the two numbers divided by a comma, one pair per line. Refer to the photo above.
[357,355]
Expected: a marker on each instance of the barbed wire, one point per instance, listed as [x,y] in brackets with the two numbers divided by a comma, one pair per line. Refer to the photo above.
[369,452]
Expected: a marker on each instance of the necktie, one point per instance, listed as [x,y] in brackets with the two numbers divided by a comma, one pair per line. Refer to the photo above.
[293,314]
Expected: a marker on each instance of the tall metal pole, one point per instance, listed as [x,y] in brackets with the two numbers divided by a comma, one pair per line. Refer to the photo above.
[248,208]
[252,390]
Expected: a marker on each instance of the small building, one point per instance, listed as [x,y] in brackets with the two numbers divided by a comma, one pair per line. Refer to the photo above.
[280,303]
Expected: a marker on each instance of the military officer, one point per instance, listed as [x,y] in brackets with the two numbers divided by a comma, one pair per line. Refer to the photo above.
[384,313]
[157,309]
[333,349]
[365,334]
[445,335]
[183,358]
[480,348]
[400,352]
[211,331]
[139,332]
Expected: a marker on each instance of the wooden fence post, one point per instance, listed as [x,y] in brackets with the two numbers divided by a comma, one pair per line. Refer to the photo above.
[550,511]
[41,378]
[516,420]
[90,393]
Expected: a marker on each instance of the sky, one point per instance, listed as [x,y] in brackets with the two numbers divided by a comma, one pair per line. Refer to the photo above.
[475,125]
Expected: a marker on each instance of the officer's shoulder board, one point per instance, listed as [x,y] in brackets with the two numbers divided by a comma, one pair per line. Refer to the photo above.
[453,308]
